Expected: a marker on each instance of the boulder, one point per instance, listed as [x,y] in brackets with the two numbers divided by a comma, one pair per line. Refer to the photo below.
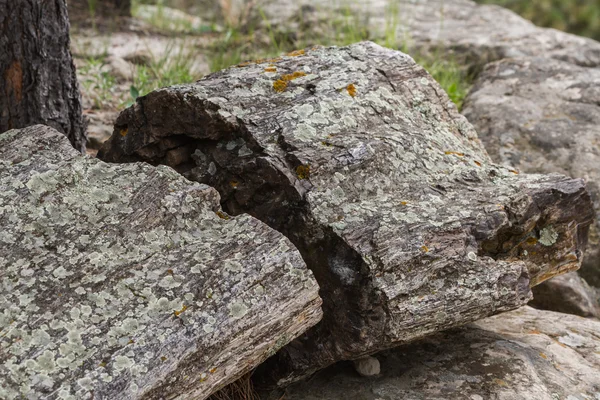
[474,33]
[522,354]
[358,156]
[542,115]
[569,294]
[128,281]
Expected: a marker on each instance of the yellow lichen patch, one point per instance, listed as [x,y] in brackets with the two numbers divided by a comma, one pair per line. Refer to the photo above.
[545,357]
[131,341]
[123,131]
[163,358]
[102,364]
[531,241]
[455,153]
[351,89]
[303,171]
[213,370]
[295,53]
[425,249]
[270,69]
[234,184]
[177,313]
[534,332]
[222,215]
[404,203]
[500,382]
[281,84]
[170,271]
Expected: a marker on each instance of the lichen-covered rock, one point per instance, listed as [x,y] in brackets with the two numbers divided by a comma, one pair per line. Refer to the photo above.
[542,115]
[569,294]
[359,157]
[522,354]
[480,33]
[128,282]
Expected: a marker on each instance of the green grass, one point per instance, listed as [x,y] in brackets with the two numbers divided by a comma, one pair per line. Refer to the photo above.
[581,17]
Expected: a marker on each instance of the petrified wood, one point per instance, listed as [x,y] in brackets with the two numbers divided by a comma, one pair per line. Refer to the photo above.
[358,156]
[129,282]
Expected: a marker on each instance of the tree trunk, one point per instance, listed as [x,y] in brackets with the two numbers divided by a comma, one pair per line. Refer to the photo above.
[38,83]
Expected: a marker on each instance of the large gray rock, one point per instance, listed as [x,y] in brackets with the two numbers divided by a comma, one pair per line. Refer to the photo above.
[128,282]
[542,115]
[522,354]
[358,156]
[567,293]
[481,33]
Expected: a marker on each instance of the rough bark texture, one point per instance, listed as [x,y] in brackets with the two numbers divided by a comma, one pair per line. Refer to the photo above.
[569,294]
[522,354]
[37,76]
[543,115]
[359,157]
[128,282]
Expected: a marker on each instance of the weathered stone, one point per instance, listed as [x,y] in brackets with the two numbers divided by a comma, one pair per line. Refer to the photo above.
[481,33]
[567,293]
[542,115]
[127,281]
[522,354]
[367,366]
[359,157]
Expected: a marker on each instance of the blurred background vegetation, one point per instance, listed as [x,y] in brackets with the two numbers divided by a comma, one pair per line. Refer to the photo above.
[581,17]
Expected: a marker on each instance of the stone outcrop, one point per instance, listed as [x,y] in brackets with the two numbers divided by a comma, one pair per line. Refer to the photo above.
[475,33]
[569,294]
[361,160]
[129,282]
[522,354]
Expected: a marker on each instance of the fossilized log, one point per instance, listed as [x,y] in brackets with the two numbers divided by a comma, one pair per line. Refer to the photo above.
[359,157]
[128,282]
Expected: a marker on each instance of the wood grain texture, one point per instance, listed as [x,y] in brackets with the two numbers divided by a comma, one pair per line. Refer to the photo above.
[358,156]
[129,282]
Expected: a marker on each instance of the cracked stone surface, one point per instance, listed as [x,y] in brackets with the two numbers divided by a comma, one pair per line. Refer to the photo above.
[359,157]
[522,354]
[129,282]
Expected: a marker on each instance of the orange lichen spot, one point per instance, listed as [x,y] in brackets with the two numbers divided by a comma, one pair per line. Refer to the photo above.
[545,357]
[455,153]
[213,370]
[280,85]
[500,382]
[170,271]
[404,203]
[178,313]
[425,248]
[234,184]
[222,215]
[477,163]
[123,132]
[351,89]
[270,69]
[534,331]
[303,171]
[531,241]
[295,53]
[514,171]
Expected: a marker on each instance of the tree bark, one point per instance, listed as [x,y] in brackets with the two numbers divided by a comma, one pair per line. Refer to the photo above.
[38,83]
